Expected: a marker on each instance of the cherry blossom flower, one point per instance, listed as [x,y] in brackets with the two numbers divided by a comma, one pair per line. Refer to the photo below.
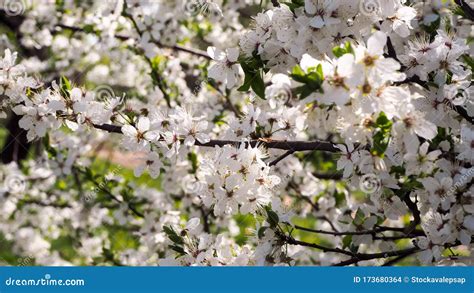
[226,69]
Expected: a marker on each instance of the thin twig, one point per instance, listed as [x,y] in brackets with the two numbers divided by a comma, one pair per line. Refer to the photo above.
[295,146]
[280,158]
[468,10]
[176,47]
[365,232]
[275,3]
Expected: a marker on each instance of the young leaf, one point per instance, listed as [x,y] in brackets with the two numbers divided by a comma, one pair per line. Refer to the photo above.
[272,218]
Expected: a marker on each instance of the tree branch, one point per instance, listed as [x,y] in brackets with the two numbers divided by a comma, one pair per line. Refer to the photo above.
[280,158]
[330,176]
[400,254]
[355,257]
[415,211]
[176,47]
[468,11]
[369,256]
[294,146]
[365,232]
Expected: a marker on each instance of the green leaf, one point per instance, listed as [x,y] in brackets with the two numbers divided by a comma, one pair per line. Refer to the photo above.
[65,86]
[294,4]
[312,80]
[381,138]
[247,81]
[172,235]
[169,230]
[192,157]
[176,239]
[261,232]
[359,217]
[469,61]
[298,74]
[89,28]
[66,83]
[346,241]
[178,249]
[340,51]
[258,85]
[254,71]
[272,218]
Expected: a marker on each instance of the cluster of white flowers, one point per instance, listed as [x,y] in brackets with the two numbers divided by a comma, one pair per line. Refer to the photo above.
[314,132]
[237,177]
[13,82]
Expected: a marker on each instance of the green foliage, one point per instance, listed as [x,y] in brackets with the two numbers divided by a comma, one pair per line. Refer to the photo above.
[346,241]
[469,60]
[246,225]
[172,235]
[65,86]
[294,4]
[254,71]
[312,80]
[272,217]
[192,157]
[64,245]
[177,240]
[381,138]
[339,51]
[433,27]
[442,135]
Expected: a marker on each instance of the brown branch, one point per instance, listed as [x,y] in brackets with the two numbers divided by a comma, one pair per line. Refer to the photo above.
[45,204]
[468,11]
[415,211]
[314,206]
[365,232]
[280,158]
[355,257]
[358,257]
[400,254]
[330,176]
[130,206]
[397,259]
[176,47]
[292,241]
[205,217]
[295,146]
